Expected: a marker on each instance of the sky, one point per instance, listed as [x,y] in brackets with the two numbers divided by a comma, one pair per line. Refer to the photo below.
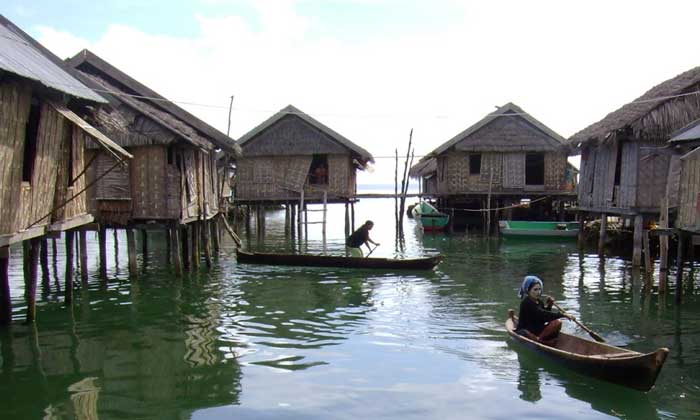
[372,70]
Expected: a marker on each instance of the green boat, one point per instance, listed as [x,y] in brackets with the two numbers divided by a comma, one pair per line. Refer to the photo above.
[524,228]
[430,218]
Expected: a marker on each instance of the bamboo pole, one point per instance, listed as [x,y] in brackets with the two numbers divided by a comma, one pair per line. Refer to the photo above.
[44,263]
[679,266]
[176,257]
[102,239]
[602,234]
[70,236]
[195,228]
[82,243]
[32,260]
[396,192]
[488,204]
[647,252]
[206,228]
[325,209]
[5,298]
[637,250]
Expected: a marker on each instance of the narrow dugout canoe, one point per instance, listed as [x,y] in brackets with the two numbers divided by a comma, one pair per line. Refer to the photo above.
[309,260]
[599,360]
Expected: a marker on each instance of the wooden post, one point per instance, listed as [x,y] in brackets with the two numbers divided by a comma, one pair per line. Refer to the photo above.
[679,266]
[44,262]
[144,244]
[306,223]
[5,298]
[637,250]
[347,220]
[247,220]
[562,216]
[131,250]
[102,239]
[299,216]
[195,245]
[286,219]
[206,229]
[176,257]
[325,200]
[292,218]
[168,245]
[488,205]
[352,216]
[185,241]
[82,243]
[602,234]
[33,261]
[581,230]
[215,226]
[70,236]
[647,252]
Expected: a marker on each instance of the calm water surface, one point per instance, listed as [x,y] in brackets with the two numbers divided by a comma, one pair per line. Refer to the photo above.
[262,342]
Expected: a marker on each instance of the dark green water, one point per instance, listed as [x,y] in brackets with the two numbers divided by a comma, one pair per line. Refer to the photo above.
[262,342]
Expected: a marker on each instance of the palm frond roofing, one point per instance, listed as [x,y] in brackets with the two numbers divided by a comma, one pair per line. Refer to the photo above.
[291,110]
[505,110]
[640,107]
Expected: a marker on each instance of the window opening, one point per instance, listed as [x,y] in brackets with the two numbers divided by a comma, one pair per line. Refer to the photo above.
[318,171]
[534,169]
[30,140]
[475,164]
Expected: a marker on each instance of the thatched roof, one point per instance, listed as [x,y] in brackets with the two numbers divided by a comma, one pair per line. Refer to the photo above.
[653,115]
[425,166]
[248,139]
[507,129]
[22,55]
[150,103]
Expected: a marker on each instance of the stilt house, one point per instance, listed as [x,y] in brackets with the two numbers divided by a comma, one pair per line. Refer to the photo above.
[173,178]
[627,170]
[505,157]
[687,141]
[43,144]
[293,152]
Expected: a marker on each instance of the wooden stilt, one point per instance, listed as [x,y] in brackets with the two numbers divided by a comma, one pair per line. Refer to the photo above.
[581,230]
[325,209]
[70,239]
[215,229]
[185,245]
[206,242]
[131,251]
[299,215]
[647,252]
[306,223]
[175,248]
[602,234]
[44,263]
[144,244]
[347,220]
[116,251]
[82,243]
[352,216]
[169,245]
[195,228]
[637,250]
[5,298]
[247,220]
[292,219]
[33,261]
[102,239]
[679,266]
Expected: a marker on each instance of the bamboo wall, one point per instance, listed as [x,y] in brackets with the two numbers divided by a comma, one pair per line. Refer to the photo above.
[643,176]
[689,194]
[283,177]
[508,171]
[78,205]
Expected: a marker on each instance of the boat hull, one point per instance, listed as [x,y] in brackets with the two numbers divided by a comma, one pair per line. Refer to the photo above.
[602,361]
[510,228]
[430,218]
[307,260]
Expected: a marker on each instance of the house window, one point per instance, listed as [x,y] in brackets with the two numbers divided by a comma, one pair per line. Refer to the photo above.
[534,169]
[318,171]
[474,164]
[30,140]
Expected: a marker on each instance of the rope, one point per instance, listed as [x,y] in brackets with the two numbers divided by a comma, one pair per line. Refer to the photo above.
[497,208]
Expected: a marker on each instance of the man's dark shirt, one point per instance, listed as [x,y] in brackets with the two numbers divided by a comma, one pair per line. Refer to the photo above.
[358,237]
[533,316]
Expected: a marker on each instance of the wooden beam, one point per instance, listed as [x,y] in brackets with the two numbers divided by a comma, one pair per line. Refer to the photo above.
[72,223]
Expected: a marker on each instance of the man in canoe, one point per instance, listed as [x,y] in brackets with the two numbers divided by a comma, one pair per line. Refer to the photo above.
[359,237]
[537,321]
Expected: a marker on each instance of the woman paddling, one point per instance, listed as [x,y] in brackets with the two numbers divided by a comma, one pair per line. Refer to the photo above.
[537,321]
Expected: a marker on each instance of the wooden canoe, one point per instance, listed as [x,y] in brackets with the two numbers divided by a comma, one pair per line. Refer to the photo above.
[599,360]
[310,260]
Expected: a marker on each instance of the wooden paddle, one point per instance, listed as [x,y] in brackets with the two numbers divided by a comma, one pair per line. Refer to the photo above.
[370,252]
[592,333]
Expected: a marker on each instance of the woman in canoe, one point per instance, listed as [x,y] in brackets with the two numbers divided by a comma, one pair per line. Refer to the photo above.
[359,237]
[537,321]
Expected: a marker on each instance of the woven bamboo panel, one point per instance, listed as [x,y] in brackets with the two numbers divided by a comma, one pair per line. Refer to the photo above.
[14,113]
[554,170]
[653,172]
[78,205]
[491,163]
[514,170]
[457,172]
[297,172]
[149,182]
[339,175]
[689,194]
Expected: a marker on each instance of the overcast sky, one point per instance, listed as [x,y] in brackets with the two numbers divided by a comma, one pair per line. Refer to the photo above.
[374,69]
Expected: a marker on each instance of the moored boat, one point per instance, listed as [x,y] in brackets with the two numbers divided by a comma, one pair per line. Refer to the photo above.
[310,260]
[430,218]
[538,229]
[603,361]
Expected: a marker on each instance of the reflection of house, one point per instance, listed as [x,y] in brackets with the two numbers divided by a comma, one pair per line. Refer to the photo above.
[173,179]
[508,156]
[625,164]
[292,152]
[42,152]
